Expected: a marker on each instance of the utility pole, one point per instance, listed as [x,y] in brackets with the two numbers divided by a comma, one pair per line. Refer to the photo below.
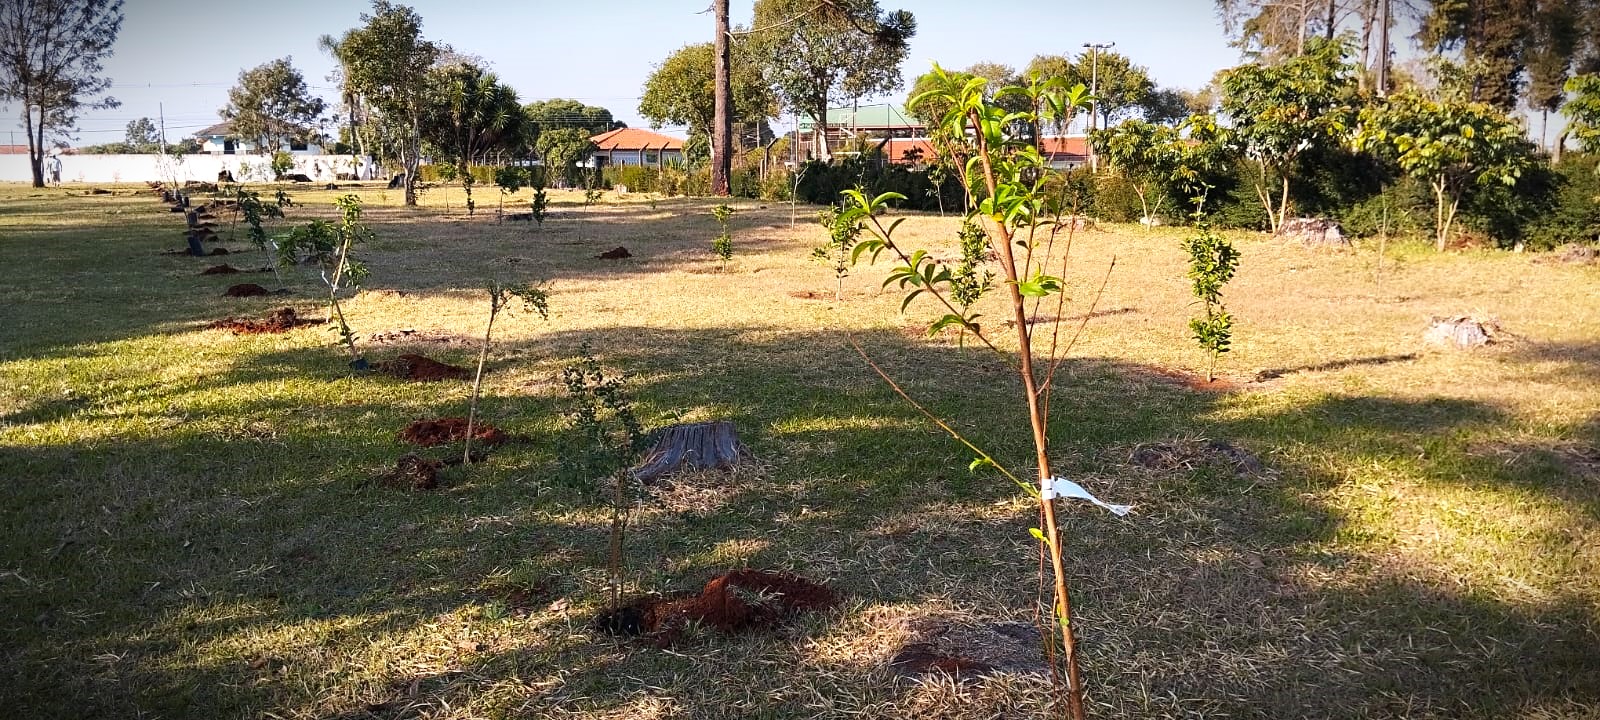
[1094,91]
[1383,48]
[161,112]
[722,123]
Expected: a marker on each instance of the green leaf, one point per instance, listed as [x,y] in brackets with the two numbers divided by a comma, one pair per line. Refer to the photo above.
[980,463]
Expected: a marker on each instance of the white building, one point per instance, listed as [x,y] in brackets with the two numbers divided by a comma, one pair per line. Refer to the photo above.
[220,139]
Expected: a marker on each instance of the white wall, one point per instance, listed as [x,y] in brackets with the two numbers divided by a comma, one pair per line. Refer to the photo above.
[144,168]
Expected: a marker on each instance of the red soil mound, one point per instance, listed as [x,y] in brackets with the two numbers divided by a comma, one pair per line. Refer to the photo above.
[421,368]
[439,431]
[219,270]
[616,253]
[738,601]
[246,290]
[281,320]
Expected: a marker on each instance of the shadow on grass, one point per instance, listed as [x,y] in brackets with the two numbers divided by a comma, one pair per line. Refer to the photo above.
[231,556]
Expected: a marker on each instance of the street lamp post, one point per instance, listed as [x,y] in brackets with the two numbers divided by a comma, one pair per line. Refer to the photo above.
[1094,90]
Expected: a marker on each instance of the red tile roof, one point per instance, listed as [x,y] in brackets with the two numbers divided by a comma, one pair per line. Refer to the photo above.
[635,139]
[1057,145]
[13,149]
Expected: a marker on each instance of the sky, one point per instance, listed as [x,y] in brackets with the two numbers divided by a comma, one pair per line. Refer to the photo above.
[177,60]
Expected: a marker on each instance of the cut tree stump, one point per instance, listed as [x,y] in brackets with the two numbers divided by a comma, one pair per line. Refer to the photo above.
[695,446]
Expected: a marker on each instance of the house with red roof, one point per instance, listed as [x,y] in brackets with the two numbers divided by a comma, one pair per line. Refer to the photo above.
[1059,152]
[636,146]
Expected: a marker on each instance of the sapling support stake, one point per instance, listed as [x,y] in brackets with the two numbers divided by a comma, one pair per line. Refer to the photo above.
[533,298]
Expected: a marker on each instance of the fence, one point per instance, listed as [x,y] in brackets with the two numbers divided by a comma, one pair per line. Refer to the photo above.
[159,168]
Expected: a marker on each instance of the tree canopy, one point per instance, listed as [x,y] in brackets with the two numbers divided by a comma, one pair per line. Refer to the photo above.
[811,53]
[1278,111]
[682,90]
[142,136]
[386,61]
[559,113]
[1584,111]
[51,55]
[271,106]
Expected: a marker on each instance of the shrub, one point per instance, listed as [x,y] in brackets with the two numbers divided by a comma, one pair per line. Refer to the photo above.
[821,183]
[1574,213]
[481,174]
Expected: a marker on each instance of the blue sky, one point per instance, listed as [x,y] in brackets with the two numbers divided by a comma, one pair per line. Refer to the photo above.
[180,58]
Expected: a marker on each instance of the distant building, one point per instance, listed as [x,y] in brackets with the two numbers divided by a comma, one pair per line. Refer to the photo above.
[636,146]
[861,123]
[1059,152]
[220,139]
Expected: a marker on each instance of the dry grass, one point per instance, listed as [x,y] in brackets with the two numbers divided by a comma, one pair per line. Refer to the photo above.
[190,529]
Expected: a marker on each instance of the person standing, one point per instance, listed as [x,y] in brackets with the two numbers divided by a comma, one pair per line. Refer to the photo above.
[52,168]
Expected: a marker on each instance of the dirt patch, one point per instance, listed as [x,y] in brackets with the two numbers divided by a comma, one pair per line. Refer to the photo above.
[1462,332]
[1572,254]
[421,369]
[1194,381]
[280,321]
[438,431]
[738,601]
[401,337]
[1193,454]
[246,290]
[616,253]
[966,649]
[220,270]
[413,472]
[218,251]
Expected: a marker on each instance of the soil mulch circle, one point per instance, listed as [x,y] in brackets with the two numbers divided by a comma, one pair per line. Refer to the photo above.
[734,602]
[421,368]
[279,321]
[413,472]
[439,431]
[967,650]
[617,253]
[223,269]
[246,290]
[1192,454]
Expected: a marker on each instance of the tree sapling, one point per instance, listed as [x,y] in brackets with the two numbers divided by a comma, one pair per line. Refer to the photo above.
[604,441]
[1212,263]
[329,245]
[723,244]
[534,298]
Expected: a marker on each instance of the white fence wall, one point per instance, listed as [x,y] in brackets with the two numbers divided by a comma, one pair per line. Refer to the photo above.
[143,168]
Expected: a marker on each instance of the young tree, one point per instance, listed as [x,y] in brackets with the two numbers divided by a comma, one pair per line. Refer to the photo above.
[1059,69]
[1450,145]
[386,61]
[271,106]
[142,136]
[51,55]
[681,91]
[562,149]
[470,114]
[1278,111]
[846,49]
[1145,153]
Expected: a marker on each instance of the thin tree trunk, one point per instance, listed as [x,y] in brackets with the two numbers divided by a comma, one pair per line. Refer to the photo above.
[1442,231]
[1283,206]
[722,128]
[477,380]
[1036,418]
[35,143]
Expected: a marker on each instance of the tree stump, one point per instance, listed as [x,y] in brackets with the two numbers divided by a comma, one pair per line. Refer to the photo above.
[707,445]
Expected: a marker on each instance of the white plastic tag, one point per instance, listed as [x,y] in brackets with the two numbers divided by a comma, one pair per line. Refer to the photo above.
[1060,487]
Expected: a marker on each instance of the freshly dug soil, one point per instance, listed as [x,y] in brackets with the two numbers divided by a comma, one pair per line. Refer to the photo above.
[218,251]
[737,601]
[280,321]
[616,253]
[246,290]
[413,472]
[967,649]
[220,270]
[438,431]
[1189,455]
[421,369]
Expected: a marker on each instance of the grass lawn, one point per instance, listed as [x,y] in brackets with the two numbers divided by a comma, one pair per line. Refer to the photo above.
[191,528]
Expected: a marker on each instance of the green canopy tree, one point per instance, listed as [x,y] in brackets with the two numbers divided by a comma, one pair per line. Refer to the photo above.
[561,113]
[471,114]
[51,55]
[271,106]
[1120,87]
[386,61]
[810,52]
[1061,69]
[1279,111]
[1493,35]
[1450,145]
[1583,111]
[682,91]
[562,148]
[1145,153]
[142,136]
